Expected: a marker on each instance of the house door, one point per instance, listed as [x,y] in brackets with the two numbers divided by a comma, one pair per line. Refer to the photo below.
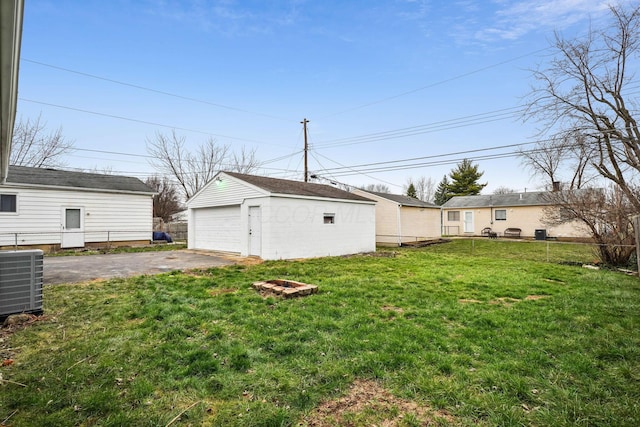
[255,231]
[72,228]
[468,222]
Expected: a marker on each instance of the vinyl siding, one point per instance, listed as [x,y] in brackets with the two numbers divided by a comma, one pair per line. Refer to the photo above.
[113,216]
[229,191]
[415,223]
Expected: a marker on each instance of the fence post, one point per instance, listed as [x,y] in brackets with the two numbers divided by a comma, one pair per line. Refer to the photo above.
[547,251]
[636,228]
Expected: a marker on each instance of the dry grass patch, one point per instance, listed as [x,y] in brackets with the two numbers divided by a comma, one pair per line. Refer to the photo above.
[368,404]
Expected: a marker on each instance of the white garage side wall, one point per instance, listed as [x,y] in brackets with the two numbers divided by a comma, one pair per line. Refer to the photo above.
[294,228]
[107,216]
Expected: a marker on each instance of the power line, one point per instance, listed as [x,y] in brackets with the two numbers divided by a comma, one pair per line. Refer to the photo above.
[460,122]
[148,89]
[497,147]
[113,116]
[441,82]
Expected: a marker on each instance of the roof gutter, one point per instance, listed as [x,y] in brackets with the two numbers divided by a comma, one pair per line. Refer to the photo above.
[11,13]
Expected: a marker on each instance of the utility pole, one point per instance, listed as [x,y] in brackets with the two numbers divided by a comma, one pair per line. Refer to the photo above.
[306,150]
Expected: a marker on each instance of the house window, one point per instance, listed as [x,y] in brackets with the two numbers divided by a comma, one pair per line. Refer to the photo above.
[501,214]
[329,218]
[453,216]
[8,203]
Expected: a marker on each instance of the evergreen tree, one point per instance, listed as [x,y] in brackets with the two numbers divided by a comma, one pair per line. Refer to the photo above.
[442,192]
[464,179]
[411,191]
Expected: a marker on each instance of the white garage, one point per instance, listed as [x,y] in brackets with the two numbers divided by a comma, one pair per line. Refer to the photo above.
[279,219]
[218,228]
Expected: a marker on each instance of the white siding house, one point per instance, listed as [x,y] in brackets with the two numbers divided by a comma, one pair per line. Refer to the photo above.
[402,219]
[279,219]
[54,208]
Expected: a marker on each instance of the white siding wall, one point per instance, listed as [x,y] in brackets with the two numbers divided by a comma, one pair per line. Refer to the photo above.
[294,228]
[228,191]
[119,217]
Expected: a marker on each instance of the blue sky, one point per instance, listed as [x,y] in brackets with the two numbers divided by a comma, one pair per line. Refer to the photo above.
[379,81]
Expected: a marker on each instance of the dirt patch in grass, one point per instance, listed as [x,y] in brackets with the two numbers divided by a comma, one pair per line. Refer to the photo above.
[506,301]
[11,325]
[535,297]
[368,404]
[392,308]
[215,292]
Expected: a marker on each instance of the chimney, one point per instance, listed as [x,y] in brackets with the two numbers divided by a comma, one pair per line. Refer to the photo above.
[556,186]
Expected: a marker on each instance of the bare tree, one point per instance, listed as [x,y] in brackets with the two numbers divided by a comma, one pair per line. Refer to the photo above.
[245,161]
[378,188]
[425,188]
[167,202]
[32,145]
[607,213]
[568,153]
[588,89]
[504,190]
[192,170]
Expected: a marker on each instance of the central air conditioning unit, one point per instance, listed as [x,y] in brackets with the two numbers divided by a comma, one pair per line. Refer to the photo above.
[21,275]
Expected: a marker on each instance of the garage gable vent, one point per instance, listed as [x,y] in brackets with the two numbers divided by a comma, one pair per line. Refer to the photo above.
[21,282]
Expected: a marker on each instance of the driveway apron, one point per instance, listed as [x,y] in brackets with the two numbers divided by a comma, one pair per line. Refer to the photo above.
[75,269]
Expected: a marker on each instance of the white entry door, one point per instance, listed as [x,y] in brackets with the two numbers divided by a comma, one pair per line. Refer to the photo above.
[468,222]
[72,228]
[255,231]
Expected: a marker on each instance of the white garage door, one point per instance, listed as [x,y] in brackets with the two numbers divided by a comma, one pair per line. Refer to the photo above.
[217,228]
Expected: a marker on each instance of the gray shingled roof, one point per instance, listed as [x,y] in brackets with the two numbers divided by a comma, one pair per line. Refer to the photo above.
[404,200]
[68,179]
[535,198]
[285,186]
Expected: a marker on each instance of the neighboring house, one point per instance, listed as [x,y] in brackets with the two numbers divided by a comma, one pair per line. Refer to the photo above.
[469,215]
[63,209]
[402,219]
[279,219]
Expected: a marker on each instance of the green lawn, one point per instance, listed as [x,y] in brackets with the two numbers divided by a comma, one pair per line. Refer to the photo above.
[457,335]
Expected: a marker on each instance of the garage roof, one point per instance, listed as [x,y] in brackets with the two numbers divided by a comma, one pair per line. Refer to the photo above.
[299,188]
[78,180]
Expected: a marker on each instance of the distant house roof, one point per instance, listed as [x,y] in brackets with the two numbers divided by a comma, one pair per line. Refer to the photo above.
[403,200]
[78,180]
[535,198]
[299,188]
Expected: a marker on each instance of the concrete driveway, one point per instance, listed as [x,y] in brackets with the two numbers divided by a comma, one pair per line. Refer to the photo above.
[74,269]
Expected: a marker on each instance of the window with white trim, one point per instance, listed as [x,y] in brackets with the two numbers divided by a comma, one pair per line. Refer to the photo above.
[8,203]
[501,214]
[329,218]
[453,216]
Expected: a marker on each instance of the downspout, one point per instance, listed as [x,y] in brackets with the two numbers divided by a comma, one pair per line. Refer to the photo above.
[399,225]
